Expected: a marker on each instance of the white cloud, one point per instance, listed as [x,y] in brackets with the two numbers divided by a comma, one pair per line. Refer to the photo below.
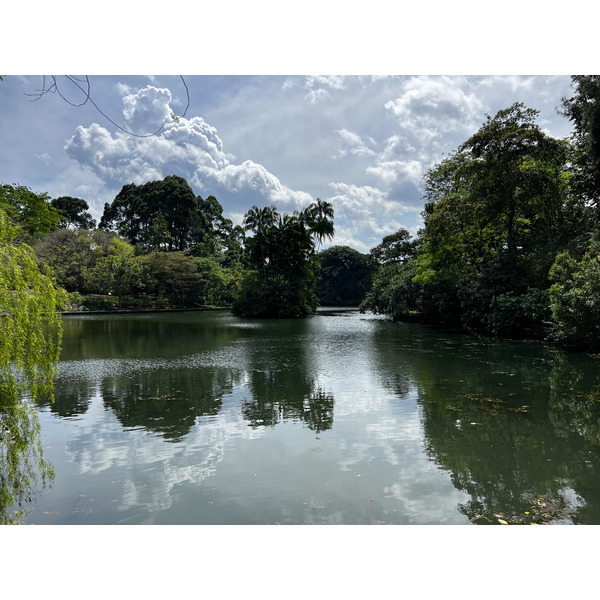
[365,214]
[190,148]
[392,170]
[356,144]
[438,104]
[319,86]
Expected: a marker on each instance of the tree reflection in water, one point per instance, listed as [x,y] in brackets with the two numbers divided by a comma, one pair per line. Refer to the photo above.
[24,471]
[516,425]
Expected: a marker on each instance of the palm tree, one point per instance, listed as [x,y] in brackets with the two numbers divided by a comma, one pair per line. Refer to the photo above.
[319,219]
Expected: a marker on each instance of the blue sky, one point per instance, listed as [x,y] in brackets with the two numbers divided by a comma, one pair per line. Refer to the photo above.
[260,129]
[362,143]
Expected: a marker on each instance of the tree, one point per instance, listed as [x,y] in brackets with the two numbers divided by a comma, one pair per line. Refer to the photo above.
[575,299]
[394,265]
[496,214]
[118,273]
[32,213]
[71,253]
[319,217]
[173,276]
[394,248]
[166,215]
[583,110]
[30,336]
[74,212]
[283,258]
[345,276]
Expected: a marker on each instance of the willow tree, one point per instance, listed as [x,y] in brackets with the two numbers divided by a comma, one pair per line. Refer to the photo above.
[30,336]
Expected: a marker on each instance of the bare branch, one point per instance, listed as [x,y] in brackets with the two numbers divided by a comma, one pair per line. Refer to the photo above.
[84,86]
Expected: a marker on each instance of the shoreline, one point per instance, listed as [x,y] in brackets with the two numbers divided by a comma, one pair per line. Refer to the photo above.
[139,311]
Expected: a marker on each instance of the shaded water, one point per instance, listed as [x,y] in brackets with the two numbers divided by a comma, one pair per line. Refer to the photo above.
[205,418]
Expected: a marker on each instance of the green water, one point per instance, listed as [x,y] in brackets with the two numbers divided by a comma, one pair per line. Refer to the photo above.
[340,418]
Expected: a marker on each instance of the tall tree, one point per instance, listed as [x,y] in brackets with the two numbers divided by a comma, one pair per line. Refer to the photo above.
[74,211]
[156,215]
[583,110]
[345,276]
[32,213]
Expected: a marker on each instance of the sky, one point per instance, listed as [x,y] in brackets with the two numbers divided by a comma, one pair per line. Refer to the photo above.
[361,142]
[348,103]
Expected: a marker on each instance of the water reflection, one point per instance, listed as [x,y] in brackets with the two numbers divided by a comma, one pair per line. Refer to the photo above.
[517,426]
[24,471]
[205,418]
[165,373]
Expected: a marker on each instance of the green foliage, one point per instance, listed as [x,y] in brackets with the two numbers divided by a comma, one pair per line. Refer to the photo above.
[32,213]
[497,213]
[74,212]
[118,273]
[174,276]
[282,252]
[519,317]
[30,327]
[166,215]
[394,248]
[30,336]
[345,276]
[394,292]
[583,110]
[575,299]
[71,253]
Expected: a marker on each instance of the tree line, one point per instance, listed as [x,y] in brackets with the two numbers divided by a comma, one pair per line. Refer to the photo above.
[159,246]
[510,244]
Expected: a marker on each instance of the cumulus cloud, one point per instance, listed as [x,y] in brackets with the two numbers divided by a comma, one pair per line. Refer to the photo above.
[369,214]
[190,148]
[436,105]
[355,143]
[320,86]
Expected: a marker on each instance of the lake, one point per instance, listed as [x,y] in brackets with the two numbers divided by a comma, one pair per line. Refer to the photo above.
[339,418]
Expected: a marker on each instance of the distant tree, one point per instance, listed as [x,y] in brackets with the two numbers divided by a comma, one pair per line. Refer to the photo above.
[319,217]
[166,215]
[394,248]
[282,254]
[74,211]
[345,276]
[174,277]
[71,253]
[118,273]
[393,291]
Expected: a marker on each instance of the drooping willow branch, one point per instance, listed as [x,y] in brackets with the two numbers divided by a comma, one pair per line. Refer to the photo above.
[85,87]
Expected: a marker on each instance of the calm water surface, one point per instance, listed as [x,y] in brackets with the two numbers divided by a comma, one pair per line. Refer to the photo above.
[340,418]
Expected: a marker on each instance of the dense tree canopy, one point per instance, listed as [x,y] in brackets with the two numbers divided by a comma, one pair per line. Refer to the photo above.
[583,110]
[284,262]
[166,215]
[74,211]
[345,276]
[503,217]
[32,213]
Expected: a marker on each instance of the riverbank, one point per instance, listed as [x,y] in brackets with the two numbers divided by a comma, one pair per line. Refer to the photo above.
[140,311]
